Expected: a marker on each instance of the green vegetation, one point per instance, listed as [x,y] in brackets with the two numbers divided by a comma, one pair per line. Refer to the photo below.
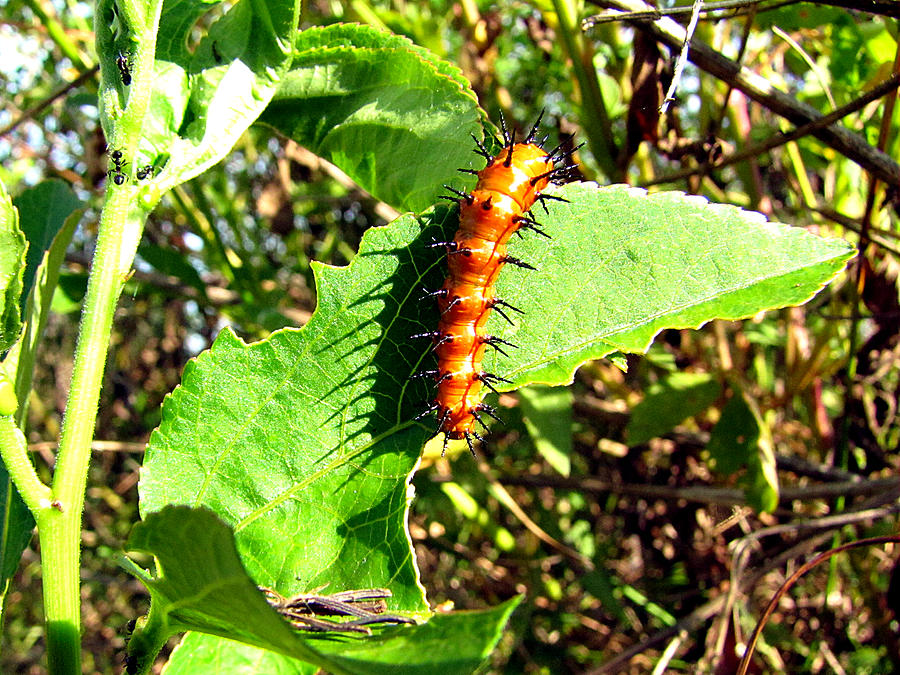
[702,397]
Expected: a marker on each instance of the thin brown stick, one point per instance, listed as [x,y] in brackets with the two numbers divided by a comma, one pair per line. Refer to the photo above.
[35,110]
[506,499]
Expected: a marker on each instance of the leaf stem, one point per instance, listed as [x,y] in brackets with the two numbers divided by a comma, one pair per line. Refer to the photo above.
[14,450]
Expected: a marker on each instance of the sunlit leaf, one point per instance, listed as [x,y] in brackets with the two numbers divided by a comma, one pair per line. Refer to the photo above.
[387,112]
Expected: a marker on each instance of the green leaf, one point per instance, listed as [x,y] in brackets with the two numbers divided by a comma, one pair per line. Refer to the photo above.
[304,443]
[455,644]
[448,643]
[390,114]
[678,397]
[624,265]
[207,91]
[13,246]
[306,437]
[741,439]
[211,655]
[39,302]
[18,522]
[201,583]
[548,417]
[43,211]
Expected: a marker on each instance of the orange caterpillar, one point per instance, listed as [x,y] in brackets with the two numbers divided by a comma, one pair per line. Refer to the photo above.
[498,207]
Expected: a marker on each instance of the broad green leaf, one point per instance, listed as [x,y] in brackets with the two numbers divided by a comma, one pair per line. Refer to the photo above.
[306,437]
[740,440]
[284,440]
[449,643]
[211,655]
[43,211]
[678,397]
[304,443]
[392,116]
[39,304]
[201,583]
[17,524]
[207,90]
[623,265]
[15,531]
[548,417]
[13,246]
[455,644]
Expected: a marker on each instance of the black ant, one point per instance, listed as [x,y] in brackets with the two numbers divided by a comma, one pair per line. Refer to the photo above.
[116,172]
[124,70]
[144,172]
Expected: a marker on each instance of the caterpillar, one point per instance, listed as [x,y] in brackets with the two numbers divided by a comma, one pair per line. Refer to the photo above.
[498,207]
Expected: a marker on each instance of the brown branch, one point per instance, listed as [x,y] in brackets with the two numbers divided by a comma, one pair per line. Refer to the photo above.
[773,603]
[705,494]
[759,89]
[35,110]
[778,140]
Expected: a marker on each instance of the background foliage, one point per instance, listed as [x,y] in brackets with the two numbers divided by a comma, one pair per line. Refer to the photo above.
[640,527]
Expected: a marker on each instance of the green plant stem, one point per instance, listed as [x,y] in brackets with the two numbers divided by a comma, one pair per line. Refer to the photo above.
[14,450]
[121,223]
[594,117]
[60,527]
